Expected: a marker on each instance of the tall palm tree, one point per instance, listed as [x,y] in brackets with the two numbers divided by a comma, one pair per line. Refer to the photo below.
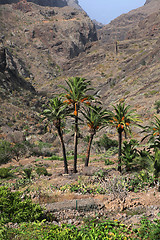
[122,118]
[56,113]
[97,119]
[76,90]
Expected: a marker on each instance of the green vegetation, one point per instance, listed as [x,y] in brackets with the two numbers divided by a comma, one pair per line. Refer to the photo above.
[106,142]
[14,209]
[76,94]
[140,169]
[111,230]
[129,153]
[28,172]
[56,113]
[122,118]
[5,152]
[42,171]
[5,173]
[96,119]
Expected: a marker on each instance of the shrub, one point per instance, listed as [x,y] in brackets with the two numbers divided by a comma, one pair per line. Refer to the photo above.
[4,173]
[14,209]
[27,172]
[18,150]
[157,163]
[106,142]
[5,152]
[129,153]
[42,171]
[144,160]
[149,230]
[108,162]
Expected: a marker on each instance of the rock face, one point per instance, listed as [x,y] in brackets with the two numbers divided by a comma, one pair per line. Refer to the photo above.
[121,27]
[47,36]
[9,77]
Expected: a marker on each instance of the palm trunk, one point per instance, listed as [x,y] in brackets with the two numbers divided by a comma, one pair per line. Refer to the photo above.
[119,150]
[88,150]
[75,144]
[63,150]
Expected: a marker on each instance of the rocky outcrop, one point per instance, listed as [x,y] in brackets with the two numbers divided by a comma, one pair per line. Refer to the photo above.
[74,4]
[10,78]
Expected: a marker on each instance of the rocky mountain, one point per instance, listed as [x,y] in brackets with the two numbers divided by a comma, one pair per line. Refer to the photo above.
[49,3]
[128,24]
[47,36]
[43,45]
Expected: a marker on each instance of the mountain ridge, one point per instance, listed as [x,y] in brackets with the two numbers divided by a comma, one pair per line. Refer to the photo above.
[50,3]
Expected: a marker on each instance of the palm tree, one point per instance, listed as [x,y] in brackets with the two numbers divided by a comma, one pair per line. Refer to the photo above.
[56,113]
[153,133]
[76,95]
[122,117]
[97,119]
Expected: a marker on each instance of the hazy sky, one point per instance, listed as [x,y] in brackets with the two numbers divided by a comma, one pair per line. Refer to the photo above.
[106,10]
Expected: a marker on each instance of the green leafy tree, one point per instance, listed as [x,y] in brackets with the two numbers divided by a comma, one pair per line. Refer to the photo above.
[97,119]
[76,94]
[56,113]
[122,119]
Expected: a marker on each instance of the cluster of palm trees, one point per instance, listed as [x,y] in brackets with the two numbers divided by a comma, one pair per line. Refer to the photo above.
[75,102]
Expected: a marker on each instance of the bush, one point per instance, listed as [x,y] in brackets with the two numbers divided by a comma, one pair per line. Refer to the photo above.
[129,153]
[14,209]
[27,172]
[18,150]
[144,160]
[5,152]
[42,171]
[106,142]
[4,173]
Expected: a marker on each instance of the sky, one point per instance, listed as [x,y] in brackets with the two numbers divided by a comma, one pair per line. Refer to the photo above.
[106,10]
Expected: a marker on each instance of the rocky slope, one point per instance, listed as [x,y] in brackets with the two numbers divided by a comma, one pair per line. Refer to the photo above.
[47,36]
[50,44]
[127,26]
